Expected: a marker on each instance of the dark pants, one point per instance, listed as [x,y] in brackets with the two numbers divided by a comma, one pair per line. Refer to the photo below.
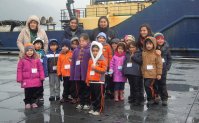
[149,88]
[40,91]
[66,85]
[161,88]
[74,89]
[30,95]
[109,84]
[84,93]
[136,88]
[97,96]
[119,86]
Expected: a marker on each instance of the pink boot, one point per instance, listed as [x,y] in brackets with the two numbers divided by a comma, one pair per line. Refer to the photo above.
[116,95]
[121,95]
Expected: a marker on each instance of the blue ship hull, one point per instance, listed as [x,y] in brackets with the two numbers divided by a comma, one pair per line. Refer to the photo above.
[178,20]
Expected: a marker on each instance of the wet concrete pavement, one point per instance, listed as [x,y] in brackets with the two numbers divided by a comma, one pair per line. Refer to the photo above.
[183,103]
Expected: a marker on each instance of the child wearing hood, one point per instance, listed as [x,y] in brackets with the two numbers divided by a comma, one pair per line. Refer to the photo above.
[116,69]
[96,77]
[74,43]
[30,74]
[151,68]
[54,81]
[78,71]
[63,68]
[163,48]
[39,48]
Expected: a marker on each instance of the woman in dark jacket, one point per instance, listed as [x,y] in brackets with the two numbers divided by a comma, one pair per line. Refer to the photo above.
[103,26]
[73,30]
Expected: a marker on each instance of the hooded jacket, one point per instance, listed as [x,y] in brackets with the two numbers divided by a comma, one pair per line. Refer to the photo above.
[107,51]
[52,58]
[96,75]
[116,67]
[64,61]
[25,37]
[30,72]
[110,34]
[152,63]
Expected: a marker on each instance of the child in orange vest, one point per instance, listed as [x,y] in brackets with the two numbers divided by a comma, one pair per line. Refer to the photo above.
[63,69]
[96,77]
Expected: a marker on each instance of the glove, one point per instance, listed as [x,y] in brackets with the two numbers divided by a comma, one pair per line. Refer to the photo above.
[60,78]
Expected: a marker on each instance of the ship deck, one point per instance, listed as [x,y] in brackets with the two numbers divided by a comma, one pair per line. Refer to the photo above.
[183,103]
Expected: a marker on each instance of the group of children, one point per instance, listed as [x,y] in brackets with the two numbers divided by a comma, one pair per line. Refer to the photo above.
[93,70]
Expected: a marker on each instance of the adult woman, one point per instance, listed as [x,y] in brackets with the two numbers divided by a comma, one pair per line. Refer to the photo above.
[103,26]
[30,33]
[73,30]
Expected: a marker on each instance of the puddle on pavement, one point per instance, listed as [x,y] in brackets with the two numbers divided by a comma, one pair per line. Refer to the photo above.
[177,74]
[185,68]
[182,87]
[176,80]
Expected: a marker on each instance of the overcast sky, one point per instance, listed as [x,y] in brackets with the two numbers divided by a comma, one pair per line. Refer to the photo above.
[21,9]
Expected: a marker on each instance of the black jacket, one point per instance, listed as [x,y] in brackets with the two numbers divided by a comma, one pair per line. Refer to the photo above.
[166,57]
[68,33]
[136,61]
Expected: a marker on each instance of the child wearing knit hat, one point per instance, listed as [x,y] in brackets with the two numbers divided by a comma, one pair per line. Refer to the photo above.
[129,38]
[160,85]
[30,74]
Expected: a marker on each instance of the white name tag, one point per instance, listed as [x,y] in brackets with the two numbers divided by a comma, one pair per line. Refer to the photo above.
[149,67]
[78,62]
[54,67]
[34,70]
[119,67]
[67,66]
[92,73]
[129,64]
[163,60]
[41,60]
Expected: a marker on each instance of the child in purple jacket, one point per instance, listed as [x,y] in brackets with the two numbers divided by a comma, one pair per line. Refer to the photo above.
[116,69]
[79,66]
[30,74]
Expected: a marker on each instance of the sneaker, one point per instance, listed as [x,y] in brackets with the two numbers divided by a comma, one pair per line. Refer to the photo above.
[96,113]
[150,103]
[62,100]
[91,112]
[34,105]
[164,103]
[86,107]
[41,101]
[57,98]
[79,106]
[51,98]
[74,101]
[27,106]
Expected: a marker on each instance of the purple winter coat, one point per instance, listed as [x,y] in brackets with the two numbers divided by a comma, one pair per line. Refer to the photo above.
[27,75]
[115,64]
[79,72]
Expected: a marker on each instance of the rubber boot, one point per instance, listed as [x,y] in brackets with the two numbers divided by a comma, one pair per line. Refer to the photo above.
[121,95]
[116,95]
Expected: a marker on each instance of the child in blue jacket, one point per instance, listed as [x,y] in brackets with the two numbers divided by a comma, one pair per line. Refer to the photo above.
[39,48]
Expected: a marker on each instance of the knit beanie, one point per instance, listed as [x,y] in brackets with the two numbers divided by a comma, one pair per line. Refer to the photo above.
[158,35]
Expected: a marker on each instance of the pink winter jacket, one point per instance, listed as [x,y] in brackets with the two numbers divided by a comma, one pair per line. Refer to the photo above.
[116,67]
[30,72]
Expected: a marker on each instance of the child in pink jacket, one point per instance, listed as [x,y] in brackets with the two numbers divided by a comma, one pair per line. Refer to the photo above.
[30,74]
[116,69]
